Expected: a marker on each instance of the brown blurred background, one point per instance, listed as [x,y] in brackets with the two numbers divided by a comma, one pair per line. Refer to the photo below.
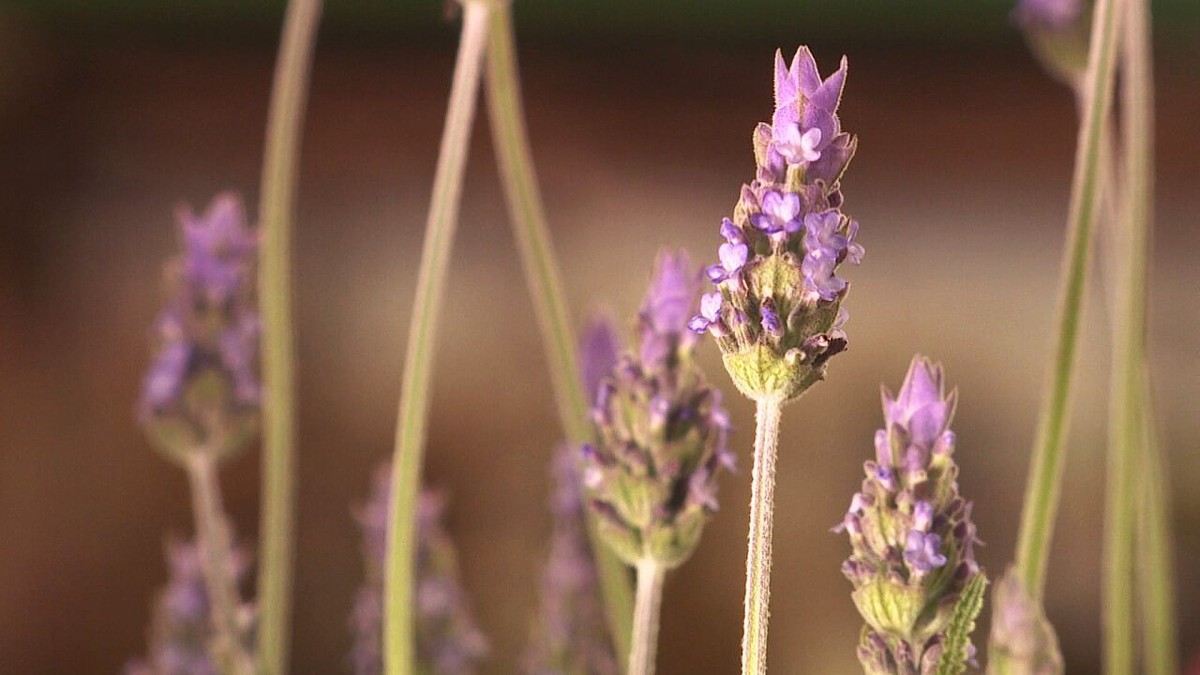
[112,113]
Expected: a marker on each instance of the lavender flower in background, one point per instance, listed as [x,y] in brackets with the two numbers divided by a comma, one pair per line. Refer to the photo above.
[570,635]
[1048,14]
[1020,632]
[449,641]
[181,633]
[202,392]
[663,433]
[916,582]
[776,310]
[1057,33]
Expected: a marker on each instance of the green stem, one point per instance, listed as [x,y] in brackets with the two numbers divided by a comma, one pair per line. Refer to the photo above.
[280,168]
[758,552]
[1045,471]
[216,556]
[413,413]
[646,612]
[544,279]
[1156,577]
[1127,389]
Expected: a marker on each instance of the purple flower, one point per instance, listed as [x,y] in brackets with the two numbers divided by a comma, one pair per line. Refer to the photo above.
[784,243]
[663,325]
[828,239]
[182,625]
[449,641]
[202,390]
[663,439]
[1048,14]
[598,348]
[1021,635]
[710,312]
[911,534]
[781,213]
[922,552]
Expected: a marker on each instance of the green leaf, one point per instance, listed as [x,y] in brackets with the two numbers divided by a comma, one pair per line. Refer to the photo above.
[962,624]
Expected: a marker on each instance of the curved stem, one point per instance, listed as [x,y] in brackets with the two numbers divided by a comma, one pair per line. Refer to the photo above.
[1127,389]
[280,168]
[216,555]
[646,612]
[543,277]
[758,550]
[413,413]
[1045,472]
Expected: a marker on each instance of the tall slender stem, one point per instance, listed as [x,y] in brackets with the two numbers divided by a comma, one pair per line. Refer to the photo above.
[413,413]
[1045,472]
[758,551]
[544,279]
[646,611]
[289,95]
[1127,390]
[216,556]
[1156,577]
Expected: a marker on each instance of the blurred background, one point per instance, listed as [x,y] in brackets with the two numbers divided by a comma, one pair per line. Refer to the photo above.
[112,113]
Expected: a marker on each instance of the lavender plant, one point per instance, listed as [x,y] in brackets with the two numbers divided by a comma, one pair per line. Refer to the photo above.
[570,636]
[916,582]
[448,639]
[776,312]
[200,397]
[663,434]
[181,634]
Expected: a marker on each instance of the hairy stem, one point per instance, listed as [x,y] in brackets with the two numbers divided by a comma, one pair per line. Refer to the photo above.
[413,413]
[1129,420]
[1045,472]
[544,279]
[280,168]
[758,550]
[646,612]
[216,556]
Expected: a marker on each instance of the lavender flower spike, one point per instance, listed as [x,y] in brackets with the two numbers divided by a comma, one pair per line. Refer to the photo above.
[775,310]
[201,392]
[181,633]
[663,433]
[448,640]
[570,635]
[1021,636]
[916,582]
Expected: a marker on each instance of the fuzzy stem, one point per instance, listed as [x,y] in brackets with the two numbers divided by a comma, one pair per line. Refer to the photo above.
[1045,472]
[216,556]
[280,168]
[413,413]
[646,612]
[758,550]
[544,280]
[1127,389]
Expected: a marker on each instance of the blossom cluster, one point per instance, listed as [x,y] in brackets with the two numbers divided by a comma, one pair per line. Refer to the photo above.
[910,531]
[202,391]
[449,641]
[570,635]
[662,432]
[776,310]
[181,632]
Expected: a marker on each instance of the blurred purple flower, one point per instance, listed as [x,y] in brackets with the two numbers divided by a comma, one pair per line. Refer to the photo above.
[181,631]
[449,641]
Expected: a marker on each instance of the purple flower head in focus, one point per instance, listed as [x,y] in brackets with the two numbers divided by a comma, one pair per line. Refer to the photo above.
[202,391]
[449,641]
[776,310]
[663,433]
[911,534]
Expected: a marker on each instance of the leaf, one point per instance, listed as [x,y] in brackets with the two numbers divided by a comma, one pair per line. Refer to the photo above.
[962,624]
